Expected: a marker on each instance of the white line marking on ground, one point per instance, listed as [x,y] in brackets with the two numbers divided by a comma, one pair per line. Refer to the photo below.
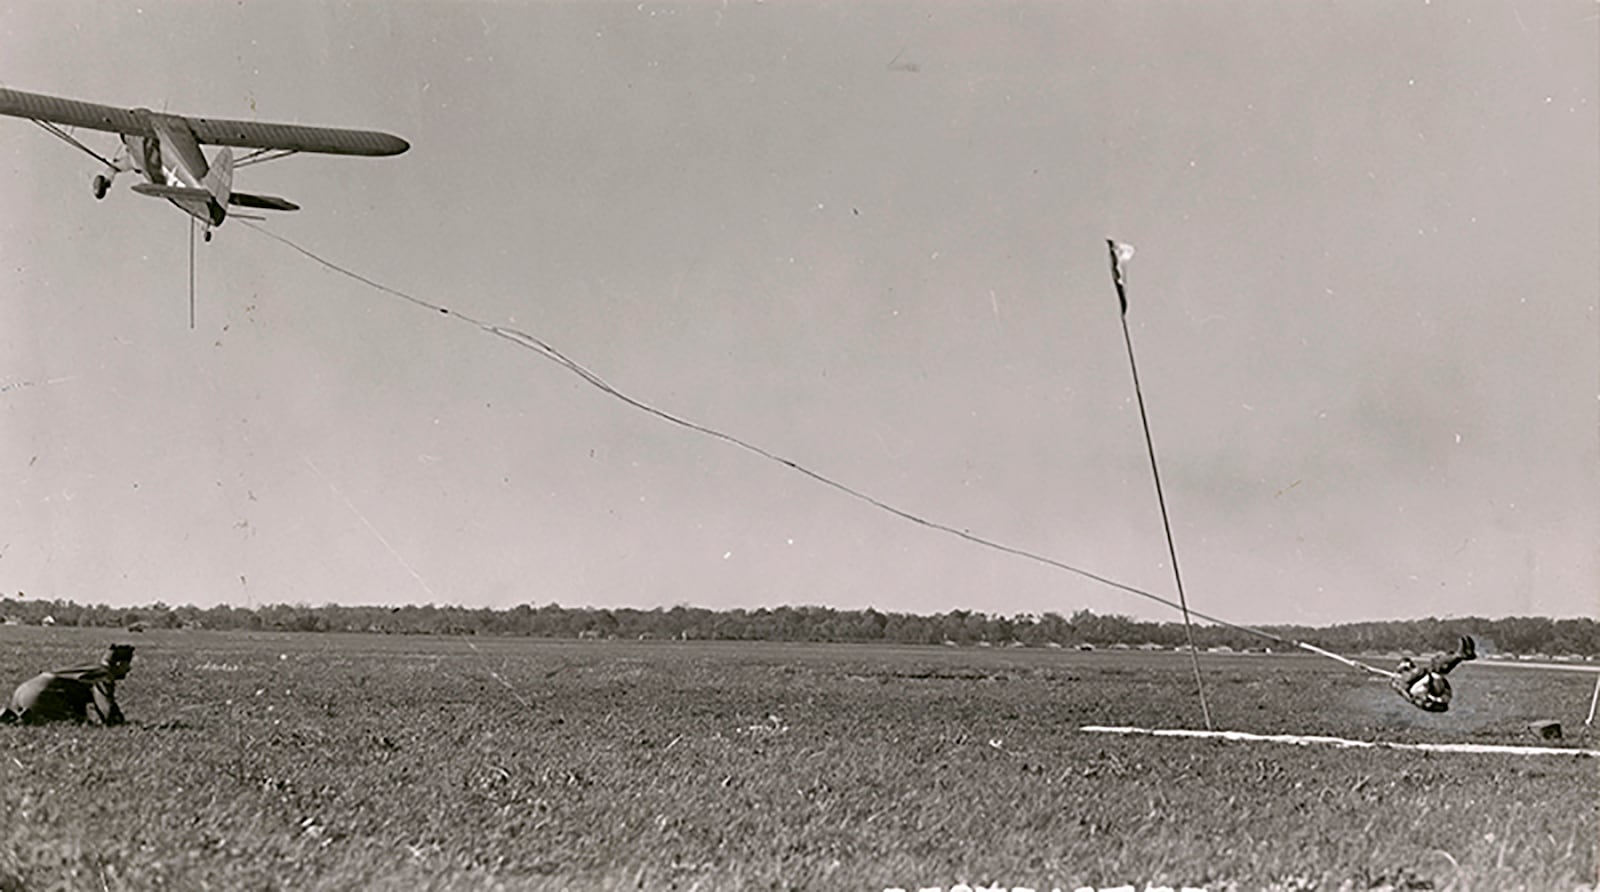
[1300,740]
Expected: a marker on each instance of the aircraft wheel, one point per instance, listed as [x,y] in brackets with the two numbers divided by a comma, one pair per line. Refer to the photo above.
[208,235]
[102,185]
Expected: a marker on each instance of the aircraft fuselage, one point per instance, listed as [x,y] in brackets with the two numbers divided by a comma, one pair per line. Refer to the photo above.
[173,158]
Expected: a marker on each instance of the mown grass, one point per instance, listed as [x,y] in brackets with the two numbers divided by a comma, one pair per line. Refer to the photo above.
[312,761]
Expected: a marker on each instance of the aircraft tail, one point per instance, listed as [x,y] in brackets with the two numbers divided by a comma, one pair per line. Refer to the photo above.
[219,179]
[197,203]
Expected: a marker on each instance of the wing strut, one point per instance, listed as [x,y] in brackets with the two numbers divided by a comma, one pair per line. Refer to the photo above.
[262,155]
[55,130]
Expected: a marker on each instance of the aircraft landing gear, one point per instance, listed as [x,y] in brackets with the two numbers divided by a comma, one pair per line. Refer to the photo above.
[206,236]
[119,164]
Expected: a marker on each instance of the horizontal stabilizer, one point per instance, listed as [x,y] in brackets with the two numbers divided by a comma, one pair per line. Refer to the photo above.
[263,202]
[173,192]
[241,199]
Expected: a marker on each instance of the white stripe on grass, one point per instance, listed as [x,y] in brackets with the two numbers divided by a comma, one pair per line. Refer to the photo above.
[1301,740]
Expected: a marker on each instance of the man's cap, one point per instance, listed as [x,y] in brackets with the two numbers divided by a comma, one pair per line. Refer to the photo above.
[119,653]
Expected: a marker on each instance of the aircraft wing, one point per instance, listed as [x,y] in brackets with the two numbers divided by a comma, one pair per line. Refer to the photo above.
[295,137]
[71,112]
[209,131]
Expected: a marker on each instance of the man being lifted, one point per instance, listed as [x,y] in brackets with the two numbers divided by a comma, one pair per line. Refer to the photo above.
[83,694]
[1426,686]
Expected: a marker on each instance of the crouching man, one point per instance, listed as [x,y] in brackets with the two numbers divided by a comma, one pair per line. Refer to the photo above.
[83,694]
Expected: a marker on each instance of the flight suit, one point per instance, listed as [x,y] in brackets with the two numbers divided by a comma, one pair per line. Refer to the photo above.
[1426,687]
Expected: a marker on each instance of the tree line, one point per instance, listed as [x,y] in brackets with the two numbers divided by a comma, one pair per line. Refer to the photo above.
[1518,635]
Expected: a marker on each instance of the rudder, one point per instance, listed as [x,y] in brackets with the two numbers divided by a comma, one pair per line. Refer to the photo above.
[219,179]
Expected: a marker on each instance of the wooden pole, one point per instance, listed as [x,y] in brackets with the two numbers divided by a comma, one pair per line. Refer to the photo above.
[1593,701]
[1155,471]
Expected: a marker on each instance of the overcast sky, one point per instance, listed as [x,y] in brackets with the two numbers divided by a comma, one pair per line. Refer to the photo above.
[868,237]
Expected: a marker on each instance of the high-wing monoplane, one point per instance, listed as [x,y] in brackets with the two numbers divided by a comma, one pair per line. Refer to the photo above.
[165,149]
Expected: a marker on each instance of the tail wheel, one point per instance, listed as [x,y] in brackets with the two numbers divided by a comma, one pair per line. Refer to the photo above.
[102,185]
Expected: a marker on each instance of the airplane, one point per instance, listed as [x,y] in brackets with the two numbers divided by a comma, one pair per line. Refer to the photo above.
[165,149]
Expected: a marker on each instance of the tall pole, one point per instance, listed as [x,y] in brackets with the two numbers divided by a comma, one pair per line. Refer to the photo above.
[1120,254]
[1592,702]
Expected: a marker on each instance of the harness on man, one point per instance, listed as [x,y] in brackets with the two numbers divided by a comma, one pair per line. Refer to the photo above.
[1424,689]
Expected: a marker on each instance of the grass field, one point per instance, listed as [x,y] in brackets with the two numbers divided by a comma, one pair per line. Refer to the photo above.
[282,761]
